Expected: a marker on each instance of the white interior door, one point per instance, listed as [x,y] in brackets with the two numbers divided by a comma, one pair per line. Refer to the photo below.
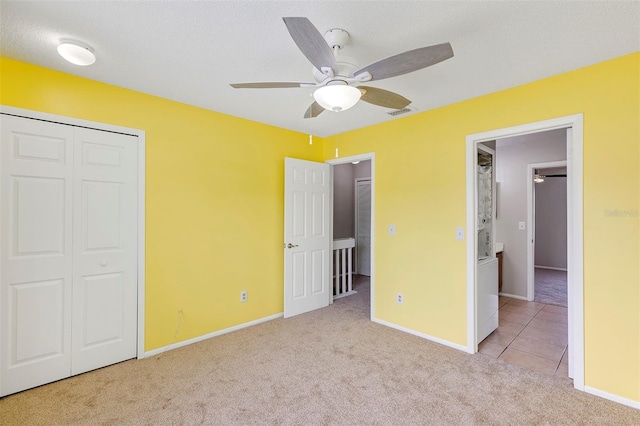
[363,227]
[105,238]
[307,251]
[68,251]
[36,197]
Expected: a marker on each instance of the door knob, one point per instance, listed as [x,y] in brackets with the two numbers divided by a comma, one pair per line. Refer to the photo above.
[104,263]
[289,245]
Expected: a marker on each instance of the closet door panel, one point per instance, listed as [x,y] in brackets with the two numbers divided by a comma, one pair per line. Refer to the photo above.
[105,247]
[68,251]
[363,229]
[36,203]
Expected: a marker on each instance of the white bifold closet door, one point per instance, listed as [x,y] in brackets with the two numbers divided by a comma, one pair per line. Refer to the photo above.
[68,252]
[363,227]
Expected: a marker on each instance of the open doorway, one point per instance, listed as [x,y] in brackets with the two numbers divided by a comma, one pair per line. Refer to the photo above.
[353,220]
[351,227]
[571,126]
[531,334]
[547,212]
[310,250]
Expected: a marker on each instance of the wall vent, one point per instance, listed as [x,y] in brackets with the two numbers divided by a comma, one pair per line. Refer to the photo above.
[400,111]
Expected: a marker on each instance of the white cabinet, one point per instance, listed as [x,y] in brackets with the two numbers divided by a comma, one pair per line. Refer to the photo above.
[487,298]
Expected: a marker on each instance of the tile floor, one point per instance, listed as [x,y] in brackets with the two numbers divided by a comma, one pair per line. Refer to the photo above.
[530,334]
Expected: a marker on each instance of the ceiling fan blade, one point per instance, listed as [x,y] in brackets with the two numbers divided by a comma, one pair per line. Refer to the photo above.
[313,111]
[407,62]
[311,43]
[269,85]
[383,98]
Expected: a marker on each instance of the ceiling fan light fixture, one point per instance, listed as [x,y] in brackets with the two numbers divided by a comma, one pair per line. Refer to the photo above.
[76,52]
[338,97]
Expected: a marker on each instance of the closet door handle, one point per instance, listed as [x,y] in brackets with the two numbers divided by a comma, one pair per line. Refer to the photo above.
[289,245]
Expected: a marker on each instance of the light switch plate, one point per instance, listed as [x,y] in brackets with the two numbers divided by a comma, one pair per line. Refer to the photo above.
[521,226]
[459,234]
[392,230]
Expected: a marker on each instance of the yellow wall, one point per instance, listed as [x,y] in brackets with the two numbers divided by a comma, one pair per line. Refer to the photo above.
[214,182]
[420,187]
[214,198]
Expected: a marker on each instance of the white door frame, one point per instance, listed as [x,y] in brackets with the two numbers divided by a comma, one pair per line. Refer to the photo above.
[343,160]
[531,220]
[575,229]
[140,134]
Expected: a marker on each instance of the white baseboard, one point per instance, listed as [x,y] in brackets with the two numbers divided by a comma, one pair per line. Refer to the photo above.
[513,296]
[423,335]
[348,293]
[615,398]
[550,267]
[333,277]
[210,335]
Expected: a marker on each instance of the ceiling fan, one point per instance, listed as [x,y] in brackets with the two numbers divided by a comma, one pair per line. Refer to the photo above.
[338,84]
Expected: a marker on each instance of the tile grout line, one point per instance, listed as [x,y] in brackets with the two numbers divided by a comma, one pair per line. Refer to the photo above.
[528,325]
[520,332]
[560,362]
[516,336]
[512,340]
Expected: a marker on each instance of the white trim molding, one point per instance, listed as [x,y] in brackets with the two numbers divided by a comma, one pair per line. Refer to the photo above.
[512,296]
[141,240]
[163,349]
[140,134]
[611,397]
[552,268]
[575,229]
[423,335]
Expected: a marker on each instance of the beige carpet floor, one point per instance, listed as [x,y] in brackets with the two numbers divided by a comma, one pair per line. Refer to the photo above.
[329,367]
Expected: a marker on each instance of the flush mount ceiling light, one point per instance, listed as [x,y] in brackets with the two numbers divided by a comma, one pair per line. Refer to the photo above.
[337,96]
[76,52]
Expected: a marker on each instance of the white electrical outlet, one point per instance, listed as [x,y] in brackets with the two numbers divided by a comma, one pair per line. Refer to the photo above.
[399,298]
[392,230]
[243,296]
[522,226]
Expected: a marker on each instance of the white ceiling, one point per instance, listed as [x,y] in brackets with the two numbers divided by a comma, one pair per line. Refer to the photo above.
[190,51]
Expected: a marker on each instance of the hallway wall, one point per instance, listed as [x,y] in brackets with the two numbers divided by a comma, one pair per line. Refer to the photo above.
[344,176]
